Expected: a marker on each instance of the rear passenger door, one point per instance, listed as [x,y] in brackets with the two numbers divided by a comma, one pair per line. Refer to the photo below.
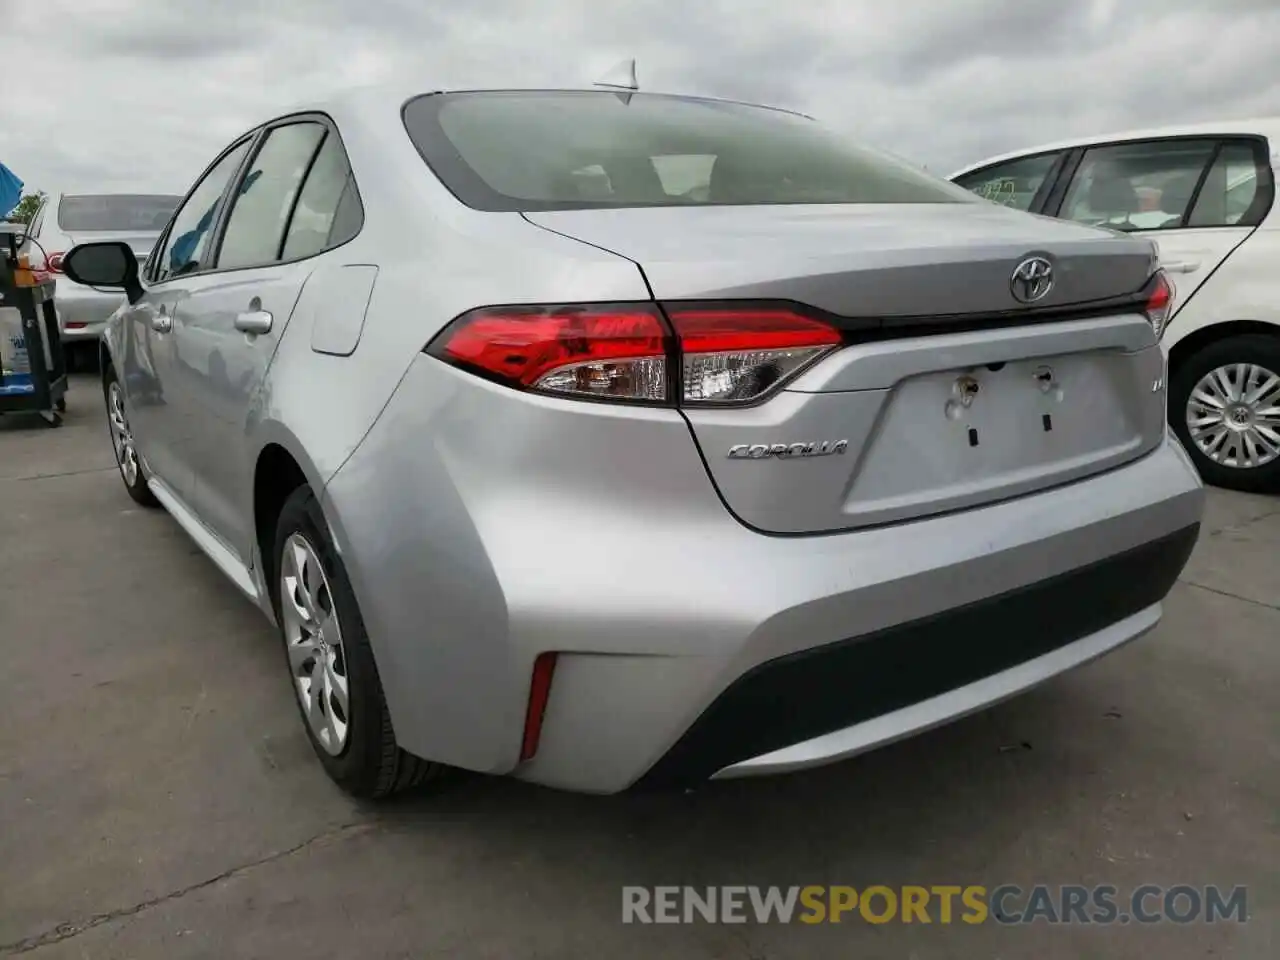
[1198,198]
[295,199]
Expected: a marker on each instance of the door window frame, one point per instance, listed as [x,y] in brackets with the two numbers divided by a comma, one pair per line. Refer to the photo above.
[257,137]
[1046,185]
[1261,160]
[162,241]
[223,221]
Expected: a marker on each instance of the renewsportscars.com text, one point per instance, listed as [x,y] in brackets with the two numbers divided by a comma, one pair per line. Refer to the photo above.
[944,904]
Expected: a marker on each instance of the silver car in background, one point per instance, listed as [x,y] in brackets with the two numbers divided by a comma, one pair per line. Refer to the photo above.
[64,220]
[619,439]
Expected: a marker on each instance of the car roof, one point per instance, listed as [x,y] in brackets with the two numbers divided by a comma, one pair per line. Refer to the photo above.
[1268,127]
[355,99]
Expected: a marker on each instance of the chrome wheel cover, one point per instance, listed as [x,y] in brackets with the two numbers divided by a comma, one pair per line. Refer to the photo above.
[1233,415]
[313,638]
[121,435]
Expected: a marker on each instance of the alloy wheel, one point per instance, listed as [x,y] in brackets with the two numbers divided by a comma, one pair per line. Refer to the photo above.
[121,436]
[313,639]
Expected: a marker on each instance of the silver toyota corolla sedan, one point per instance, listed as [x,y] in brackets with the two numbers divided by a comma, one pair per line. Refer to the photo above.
[617,440]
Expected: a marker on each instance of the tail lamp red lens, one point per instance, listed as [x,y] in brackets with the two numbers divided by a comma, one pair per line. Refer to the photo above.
[716,355]
[1160,303]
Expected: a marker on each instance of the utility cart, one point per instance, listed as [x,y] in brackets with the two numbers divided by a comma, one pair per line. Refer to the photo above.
[33,373]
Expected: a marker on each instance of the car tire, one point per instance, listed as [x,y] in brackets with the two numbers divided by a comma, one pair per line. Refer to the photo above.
[331,666]
[1231,373]
[128,462]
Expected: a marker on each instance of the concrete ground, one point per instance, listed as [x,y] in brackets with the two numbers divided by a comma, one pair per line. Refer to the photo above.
[158,797]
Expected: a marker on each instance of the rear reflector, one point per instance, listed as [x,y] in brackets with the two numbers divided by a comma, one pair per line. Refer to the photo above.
[75,325]
[539,691]
[720,355]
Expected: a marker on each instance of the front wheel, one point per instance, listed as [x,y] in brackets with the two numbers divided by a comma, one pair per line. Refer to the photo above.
[1224,405]
[331,666]
[127,460]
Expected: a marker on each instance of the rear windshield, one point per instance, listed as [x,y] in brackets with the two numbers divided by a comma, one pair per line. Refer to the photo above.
[116,211]
[518,150]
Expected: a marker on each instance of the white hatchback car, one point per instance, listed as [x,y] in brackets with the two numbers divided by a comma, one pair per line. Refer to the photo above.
[1206,195]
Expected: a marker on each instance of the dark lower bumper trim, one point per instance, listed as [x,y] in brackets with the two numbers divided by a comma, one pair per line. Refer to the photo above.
[817,691]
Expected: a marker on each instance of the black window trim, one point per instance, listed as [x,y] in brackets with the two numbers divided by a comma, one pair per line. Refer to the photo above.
[1066,173]
[1261,159]
[293,204]
[224,215]
[258,137]
[1050,178]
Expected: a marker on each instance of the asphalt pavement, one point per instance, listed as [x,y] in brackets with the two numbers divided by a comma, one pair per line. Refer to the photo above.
[158,797]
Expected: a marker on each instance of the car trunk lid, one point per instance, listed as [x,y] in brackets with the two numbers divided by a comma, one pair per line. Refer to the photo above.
[861,261]
[951,393]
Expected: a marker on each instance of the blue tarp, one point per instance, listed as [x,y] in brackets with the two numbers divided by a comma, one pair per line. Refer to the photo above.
[10,190]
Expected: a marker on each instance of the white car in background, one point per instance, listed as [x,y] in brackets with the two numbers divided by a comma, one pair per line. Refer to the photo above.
[65,219]
[1206,195]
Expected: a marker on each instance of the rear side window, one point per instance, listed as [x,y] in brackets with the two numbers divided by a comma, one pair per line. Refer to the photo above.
[115,212]
[555,150]
[264,199]
[328,211]
[1142,185]
[1237,191]
[1011,184]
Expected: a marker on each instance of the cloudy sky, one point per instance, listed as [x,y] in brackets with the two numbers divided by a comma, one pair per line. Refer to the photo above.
[140,94]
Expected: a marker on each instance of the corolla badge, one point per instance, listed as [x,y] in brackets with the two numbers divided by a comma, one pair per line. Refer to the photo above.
[786,451]
[1032,280]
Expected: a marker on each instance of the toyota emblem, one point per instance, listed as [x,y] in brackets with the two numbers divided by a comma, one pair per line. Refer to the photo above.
[1032,280]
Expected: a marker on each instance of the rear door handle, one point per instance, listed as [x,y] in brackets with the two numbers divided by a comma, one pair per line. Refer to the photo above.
[254,322]
[1182,266]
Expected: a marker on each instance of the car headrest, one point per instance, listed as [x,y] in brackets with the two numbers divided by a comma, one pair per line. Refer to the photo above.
[1112,195]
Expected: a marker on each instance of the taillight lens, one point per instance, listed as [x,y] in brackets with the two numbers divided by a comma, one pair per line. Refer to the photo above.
[53,262]
[1159,303]
[741,354]
[717,355]
[617,353]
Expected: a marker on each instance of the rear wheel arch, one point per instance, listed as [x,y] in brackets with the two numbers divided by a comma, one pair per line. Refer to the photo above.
[1197,340]
[276,475]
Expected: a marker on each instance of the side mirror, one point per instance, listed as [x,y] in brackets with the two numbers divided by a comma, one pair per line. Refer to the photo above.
[110,264]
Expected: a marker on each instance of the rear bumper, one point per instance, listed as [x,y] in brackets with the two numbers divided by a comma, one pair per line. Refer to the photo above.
[863,692]
[690,646]
[82,311]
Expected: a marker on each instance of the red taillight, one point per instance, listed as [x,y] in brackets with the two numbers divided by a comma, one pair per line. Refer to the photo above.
[741,354]
[605,352]
[1159,303]
[725,354]
[544,667]
[53,262]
